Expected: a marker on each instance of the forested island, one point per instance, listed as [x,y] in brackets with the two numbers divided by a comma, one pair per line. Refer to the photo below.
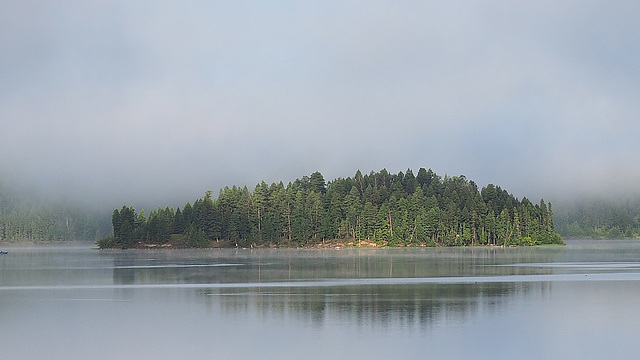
[378,209]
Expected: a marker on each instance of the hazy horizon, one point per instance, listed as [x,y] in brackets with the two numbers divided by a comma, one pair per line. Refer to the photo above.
[141,102]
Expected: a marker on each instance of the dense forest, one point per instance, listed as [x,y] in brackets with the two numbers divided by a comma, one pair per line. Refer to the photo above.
[599,218]
[422,211]
[379,208]
[27,217]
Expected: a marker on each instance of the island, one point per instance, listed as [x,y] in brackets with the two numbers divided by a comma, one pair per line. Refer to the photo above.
[378,209]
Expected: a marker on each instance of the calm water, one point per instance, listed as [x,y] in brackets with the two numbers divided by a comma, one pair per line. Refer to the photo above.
[573,302]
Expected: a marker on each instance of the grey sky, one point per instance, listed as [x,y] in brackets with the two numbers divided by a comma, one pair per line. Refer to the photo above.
[131,100]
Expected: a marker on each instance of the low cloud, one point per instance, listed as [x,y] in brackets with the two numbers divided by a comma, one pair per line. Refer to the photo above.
[141,102]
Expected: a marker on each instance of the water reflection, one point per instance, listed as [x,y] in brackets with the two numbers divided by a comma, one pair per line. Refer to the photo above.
[255,266]
[320,286]
[578,301]
[387,305]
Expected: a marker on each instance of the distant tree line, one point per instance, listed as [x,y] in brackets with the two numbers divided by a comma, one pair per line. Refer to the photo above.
[600,219]
[388,209]
[25,217]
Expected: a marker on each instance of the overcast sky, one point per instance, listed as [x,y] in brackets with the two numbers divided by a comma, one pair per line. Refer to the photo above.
[162,100]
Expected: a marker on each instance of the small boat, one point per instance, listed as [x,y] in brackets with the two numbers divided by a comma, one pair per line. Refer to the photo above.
[3,252]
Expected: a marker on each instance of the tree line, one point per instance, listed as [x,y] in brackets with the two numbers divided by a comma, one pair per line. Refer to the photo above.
[600,219]
[27,217]
[387,209]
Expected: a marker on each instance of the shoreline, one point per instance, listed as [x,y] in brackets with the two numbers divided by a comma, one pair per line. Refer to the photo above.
[327,244]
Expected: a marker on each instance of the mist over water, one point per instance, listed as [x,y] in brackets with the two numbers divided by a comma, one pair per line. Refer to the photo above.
[573,302]
[150,104]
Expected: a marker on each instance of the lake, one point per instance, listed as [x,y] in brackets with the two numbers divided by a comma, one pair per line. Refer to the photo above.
[578,301]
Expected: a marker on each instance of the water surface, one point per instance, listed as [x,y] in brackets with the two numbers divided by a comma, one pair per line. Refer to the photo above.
[573,302]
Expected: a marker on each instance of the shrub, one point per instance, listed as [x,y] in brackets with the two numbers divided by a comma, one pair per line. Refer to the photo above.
[106,242]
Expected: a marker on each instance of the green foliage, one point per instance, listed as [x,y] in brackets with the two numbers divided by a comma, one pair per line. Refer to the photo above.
[392,210]
[27,217]
[106,242]
[124,227]
[196,237]
[527,241]
[599,218]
